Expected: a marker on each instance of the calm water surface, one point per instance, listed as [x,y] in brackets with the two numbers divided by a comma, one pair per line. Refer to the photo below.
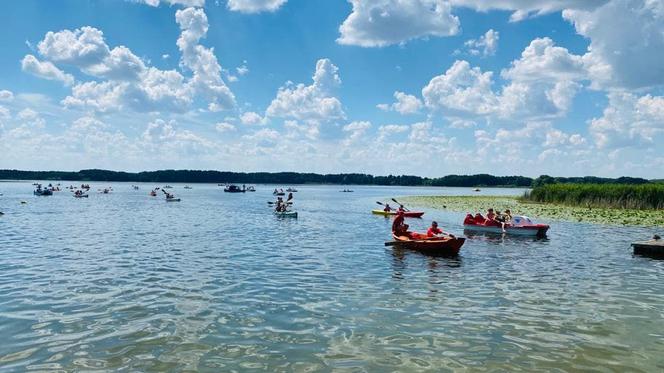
[217,283]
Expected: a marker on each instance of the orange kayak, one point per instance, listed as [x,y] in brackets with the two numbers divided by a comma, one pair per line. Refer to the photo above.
[448,246]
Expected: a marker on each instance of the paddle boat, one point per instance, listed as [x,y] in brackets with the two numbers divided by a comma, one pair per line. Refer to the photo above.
[438,245]
[520,225]
[408,214]
[234,189]
[42,192]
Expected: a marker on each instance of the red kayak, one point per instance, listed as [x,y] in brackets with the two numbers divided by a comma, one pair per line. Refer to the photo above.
[444,246]
[407,214]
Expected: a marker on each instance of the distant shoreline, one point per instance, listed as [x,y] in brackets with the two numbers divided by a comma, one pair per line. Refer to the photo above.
[295,178]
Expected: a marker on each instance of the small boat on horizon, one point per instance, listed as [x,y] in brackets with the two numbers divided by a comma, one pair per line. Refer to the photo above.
[232,188]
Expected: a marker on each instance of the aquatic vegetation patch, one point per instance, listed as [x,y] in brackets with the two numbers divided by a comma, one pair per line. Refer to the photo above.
[552,211]
[618,196]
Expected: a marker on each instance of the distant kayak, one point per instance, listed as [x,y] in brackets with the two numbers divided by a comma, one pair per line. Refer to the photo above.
[286,214]
[446,246]
[81,196]
[172,200]
[408,214]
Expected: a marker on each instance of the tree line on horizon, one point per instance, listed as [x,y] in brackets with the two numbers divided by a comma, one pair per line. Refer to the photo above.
[199,176]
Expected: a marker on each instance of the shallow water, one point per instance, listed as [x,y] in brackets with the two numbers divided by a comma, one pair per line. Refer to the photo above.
[218,283]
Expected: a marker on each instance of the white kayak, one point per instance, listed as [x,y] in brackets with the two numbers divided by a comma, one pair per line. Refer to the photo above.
[286,214]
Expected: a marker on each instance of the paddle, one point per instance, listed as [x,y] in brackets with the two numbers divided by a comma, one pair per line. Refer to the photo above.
[272,203]
[397,202]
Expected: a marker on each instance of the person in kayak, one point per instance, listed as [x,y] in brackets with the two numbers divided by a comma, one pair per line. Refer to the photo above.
[401,209]
[434,231]
[400,228]
[387,208]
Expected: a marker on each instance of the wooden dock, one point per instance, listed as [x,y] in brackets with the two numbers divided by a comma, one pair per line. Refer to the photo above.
[653,248]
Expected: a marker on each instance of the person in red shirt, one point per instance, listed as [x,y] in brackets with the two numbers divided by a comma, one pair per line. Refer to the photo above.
[399,228]
[434,231]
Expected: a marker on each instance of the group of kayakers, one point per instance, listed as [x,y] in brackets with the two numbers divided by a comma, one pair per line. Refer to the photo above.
[493,218]
[282,206]
[389,208]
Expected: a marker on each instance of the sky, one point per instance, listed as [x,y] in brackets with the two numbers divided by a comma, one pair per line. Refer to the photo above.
[417,87]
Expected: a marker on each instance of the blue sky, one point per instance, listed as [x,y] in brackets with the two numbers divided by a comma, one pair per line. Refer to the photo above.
[424,87]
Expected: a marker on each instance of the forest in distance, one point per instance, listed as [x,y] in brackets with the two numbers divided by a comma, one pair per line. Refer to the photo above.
[291,178]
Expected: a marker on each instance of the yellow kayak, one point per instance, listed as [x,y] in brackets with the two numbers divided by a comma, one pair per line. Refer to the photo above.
[408,214]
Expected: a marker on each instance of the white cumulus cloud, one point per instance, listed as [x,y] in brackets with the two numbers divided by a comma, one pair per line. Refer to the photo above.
[486,45]
[626,42]
[385,22]
[201,60]
[315,102]
[405,104]
[527,8]
[255,6]
[45,70]
[6,95]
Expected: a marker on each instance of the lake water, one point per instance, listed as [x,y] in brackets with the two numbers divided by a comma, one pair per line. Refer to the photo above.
[218,283]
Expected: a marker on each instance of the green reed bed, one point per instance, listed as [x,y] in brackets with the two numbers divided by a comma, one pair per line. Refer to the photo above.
[617,196]
[539,211]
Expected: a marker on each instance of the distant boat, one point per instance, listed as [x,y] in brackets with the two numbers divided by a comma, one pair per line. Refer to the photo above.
[187,187]
[291,190]
[234,189]
[476,190]
[42,191]
[251,189]
[346,191]
[166,187]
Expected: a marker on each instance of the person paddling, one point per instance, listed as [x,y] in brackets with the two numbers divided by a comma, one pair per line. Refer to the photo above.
[387,208]
[434,231]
